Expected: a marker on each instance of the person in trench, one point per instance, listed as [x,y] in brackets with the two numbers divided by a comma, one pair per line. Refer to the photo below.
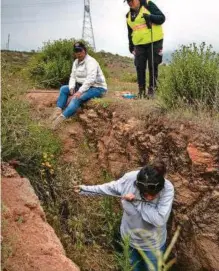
[146,198]
[86,82]
[145,35]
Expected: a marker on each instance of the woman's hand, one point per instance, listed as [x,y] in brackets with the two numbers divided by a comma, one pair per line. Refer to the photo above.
[77,95]
[129,197]
[77,188]
[71,91]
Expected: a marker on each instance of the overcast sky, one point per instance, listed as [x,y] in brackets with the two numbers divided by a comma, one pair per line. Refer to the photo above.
[32,22]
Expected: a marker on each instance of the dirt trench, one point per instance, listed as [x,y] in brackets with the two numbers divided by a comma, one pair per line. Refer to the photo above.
[121,142]
[192,158]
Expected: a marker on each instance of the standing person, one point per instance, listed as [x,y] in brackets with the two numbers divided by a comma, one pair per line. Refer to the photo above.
[145,36]
[86,82]
[147,199]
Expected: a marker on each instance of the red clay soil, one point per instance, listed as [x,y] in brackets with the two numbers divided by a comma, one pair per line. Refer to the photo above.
[122,143]
[29,242]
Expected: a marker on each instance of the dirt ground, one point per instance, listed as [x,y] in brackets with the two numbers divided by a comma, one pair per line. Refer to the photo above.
[119,144]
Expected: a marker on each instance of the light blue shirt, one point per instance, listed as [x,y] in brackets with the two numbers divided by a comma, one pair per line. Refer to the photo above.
[144,222]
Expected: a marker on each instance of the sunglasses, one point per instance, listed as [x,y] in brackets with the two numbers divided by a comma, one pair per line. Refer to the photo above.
[128,1]
[149,186]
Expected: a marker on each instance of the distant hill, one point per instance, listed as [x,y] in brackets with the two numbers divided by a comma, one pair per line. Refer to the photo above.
[116,65]
[167,56]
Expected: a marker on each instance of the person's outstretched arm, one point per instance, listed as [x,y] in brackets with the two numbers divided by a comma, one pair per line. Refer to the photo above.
[111,188]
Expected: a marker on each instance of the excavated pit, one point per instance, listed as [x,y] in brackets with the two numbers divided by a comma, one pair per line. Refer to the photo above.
[122,141]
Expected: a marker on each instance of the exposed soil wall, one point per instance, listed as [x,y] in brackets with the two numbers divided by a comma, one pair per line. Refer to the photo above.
[29,242]
[122,143]
[192,158]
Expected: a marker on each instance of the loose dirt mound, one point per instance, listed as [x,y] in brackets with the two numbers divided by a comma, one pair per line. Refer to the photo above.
[43,99]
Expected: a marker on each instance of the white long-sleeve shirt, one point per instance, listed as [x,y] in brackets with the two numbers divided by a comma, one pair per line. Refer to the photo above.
[88,73]
[144,222]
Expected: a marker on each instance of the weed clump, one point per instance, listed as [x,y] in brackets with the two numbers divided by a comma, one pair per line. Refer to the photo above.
[23,139]
[129,77]
[192,78]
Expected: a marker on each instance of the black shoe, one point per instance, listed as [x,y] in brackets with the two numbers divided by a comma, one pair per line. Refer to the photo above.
[150,93]
[141,93]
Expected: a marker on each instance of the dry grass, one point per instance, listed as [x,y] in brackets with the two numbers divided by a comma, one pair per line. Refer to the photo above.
[7,242]
[75,217]
[202,118]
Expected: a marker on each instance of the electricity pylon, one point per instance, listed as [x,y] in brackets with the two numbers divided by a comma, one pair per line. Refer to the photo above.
[88,34]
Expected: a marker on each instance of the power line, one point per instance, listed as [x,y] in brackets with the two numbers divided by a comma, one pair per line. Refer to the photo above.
[35,21]
[36,4]
[14,45]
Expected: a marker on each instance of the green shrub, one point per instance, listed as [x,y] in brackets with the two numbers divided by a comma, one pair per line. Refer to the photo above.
[129,77]
[22,138]
[192,77]
[52,66]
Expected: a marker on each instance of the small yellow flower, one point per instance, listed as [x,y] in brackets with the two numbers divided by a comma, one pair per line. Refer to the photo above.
[48,164]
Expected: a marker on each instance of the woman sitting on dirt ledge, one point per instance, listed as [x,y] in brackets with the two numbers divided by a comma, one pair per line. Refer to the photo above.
[147,202]
[86,82]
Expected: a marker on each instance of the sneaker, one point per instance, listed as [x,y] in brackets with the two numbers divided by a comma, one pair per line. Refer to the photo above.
[57,111]
[57,121]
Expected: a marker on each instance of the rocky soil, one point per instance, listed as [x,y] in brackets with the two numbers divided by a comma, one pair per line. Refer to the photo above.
[121,143]
[192,158]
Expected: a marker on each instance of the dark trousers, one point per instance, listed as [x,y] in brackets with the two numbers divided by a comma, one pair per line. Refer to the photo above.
[143,55]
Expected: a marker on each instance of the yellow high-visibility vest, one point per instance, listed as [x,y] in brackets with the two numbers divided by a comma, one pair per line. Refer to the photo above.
[141,33]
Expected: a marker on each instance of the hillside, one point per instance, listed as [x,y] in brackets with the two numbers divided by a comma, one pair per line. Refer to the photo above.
[107,138]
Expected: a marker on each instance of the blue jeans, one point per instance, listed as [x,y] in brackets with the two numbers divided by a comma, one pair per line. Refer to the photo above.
[75,103]
[138,262]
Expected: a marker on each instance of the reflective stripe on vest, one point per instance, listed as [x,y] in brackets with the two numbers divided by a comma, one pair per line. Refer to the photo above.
[136,27]
[141,34]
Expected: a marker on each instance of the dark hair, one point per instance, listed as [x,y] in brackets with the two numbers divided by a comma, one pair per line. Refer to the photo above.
[160,166]
[150,178]
[79,46]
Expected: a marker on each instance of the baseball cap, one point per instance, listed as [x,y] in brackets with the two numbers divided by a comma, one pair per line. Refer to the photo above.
[79,46]
[150,180]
